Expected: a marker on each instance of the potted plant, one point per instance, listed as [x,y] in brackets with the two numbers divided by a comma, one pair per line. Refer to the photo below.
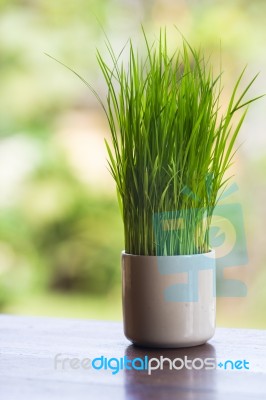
[170,149]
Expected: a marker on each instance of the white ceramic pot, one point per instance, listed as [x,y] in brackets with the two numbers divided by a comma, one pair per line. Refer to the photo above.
[169,301]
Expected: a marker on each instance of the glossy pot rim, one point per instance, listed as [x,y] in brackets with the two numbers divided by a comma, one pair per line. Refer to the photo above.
[210,254]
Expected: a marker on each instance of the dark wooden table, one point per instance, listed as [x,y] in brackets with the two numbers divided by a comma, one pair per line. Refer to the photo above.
[28,346]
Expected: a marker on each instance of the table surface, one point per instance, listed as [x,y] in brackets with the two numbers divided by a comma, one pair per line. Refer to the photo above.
[29,345]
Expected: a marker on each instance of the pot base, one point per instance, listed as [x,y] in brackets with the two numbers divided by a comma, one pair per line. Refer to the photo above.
[169,345]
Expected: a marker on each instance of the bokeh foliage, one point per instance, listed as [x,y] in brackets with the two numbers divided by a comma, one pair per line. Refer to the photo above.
[58,233]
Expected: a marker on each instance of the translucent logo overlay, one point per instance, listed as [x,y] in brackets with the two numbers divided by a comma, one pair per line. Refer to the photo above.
[227,239]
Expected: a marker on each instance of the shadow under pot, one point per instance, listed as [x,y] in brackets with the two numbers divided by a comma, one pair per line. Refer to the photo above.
[169,301]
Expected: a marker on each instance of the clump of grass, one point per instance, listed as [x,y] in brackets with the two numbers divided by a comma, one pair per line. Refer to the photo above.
[170,146]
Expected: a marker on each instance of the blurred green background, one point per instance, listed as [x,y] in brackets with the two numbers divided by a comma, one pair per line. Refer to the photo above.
[60,229]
